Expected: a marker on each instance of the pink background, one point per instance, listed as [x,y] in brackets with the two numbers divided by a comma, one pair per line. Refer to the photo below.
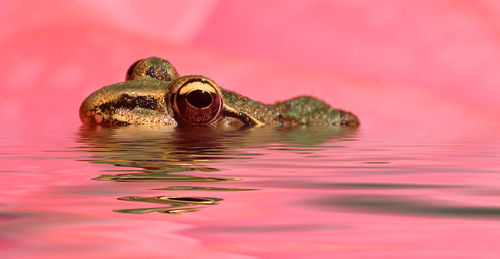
[401,63]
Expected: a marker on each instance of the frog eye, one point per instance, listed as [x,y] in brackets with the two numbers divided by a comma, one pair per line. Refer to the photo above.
[131,70]
[153,68]
[197,101]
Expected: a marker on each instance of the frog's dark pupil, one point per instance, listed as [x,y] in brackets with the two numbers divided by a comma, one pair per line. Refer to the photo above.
[199,99]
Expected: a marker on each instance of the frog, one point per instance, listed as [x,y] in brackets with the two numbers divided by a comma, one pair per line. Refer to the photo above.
[154,94]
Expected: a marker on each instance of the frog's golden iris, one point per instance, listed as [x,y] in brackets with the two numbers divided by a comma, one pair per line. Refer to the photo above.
[196,100]
[155,94]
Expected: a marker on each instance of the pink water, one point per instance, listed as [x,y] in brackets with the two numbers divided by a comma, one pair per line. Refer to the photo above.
[288,193]
[418,179]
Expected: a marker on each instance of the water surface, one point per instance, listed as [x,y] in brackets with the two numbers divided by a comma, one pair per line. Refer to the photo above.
[291,193]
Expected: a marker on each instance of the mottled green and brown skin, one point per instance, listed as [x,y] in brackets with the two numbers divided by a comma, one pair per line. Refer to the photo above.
[154,94]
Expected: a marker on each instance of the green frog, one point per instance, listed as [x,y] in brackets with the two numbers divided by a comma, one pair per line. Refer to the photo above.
[154,94]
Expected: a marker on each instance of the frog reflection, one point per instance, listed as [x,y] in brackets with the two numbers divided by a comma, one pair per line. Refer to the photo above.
[187,158]
[154,94]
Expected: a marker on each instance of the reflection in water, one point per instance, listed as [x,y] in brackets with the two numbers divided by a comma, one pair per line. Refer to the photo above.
[200,188]
[176,204]
[260,192]
[408,206]
[160,177]
[173,155]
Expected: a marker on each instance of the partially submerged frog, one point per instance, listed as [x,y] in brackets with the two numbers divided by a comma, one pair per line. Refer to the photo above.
[154,94]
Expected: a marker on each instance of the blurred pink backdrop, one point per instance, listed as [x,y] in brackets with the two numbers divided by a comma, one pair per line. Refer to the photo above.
[400,63]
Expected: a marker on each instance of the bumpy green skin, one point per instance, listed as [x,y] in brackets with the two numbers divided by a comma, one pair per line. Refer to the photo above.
[145,98]
[304,110]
